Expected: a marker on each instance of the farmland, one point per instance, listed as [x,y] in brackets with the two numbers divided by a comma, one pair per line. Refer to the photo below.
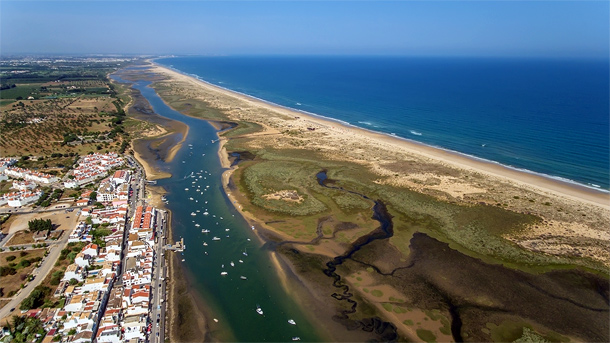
[53,110]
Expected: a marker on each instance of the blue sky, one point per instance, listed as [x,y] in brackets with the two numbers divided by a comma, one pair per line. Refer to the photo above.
[431,28]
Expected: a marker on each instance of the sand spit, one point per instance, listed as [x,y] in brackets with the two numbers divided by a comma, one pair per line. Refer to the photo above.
[577,215]
[446,175]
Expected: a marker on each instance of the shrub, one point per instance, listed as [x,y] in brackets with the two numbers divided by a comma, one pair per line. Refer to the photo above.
[24,263]
[7,270]
[11,258]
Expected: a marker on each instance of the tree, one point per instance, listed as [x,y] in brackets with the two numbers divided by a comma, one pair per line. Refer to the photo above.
[35,299]
[38,225]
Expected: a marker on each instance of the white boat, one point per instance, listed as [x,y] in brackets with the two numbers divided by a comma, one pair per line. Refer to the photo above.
[259,310]
[243,277]
[232,264]
[296,338]
[191,199]
[205,244]
[227,229]
[216,320]
[197,225]
[216,238]
[245,253]
[193,214]
[291,321]
[252,227]
[224,273]
[240,261]
[186,189]
[205,231]
[205,213]
[182,260]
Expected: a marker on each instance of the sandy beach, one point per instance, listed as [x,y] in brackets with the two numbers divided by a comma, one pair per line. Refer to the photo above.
[349,135]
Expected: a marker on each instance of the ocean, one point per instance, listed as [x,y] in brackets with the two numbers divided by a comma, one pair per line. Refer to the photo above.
[545,116]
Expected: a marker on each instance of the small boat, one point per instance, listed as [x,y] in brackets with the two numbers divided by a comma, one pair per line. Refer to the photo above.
[197,225]
[205,244]
[292,322]
[186,189]
[193,214]
[182,260]
[191,198]
[224,273]
[216,238]
[216,320]
[252,227]
[222,266]
[259,310]
[205,231]
[198,211]
[243,277]
[205,213]
[227,229]
[240,261]
[296,338]
[232,264]
[245,253]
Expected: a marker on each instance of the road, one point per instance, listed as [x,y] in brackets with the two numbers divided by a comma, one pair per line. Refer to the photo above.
[40,273]
[158,283]
[27,210]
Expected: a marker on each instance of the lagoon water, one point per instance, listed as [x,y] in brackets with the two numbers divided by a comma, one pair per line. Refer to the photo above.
[546,116]
[231,300]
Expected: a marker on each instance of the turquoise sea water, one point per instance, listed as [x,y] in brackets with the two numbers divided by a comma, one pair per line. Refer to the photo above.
[545,116]
[230,299]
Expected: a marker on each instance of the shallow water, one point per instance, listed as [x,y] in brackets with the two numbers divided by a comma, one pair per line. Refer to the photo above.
[231,300]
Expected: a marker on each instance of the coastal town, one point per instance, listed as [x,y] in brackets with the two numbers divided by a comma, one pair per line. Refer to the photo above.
[113,289]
